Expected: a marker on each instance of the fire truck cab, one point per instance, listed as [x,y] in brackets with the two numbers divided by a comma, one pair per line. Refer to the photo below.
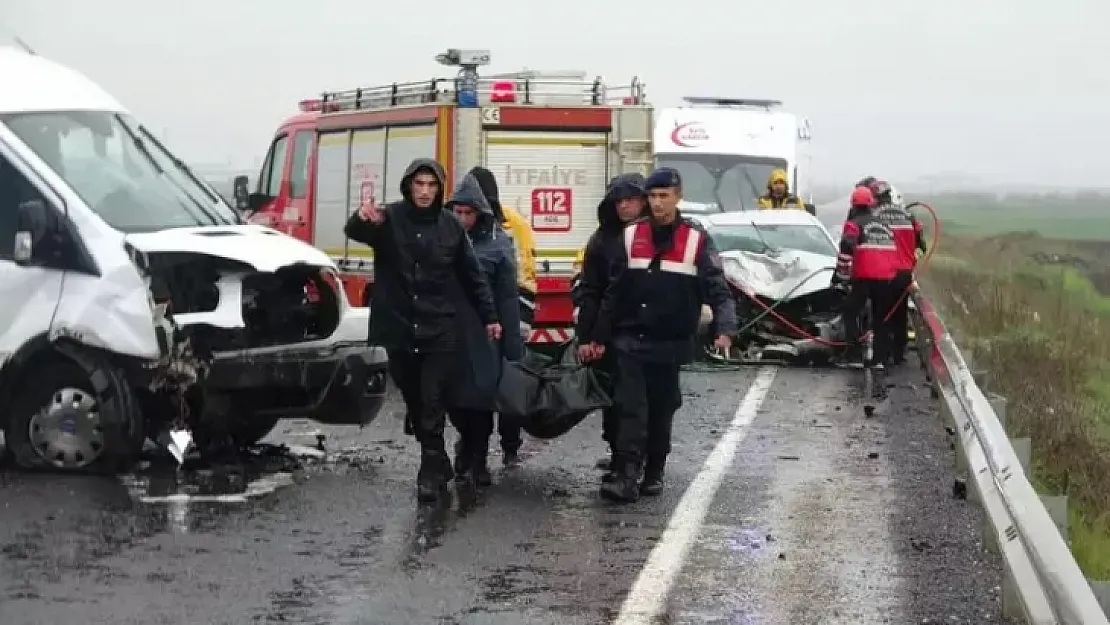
[552,139]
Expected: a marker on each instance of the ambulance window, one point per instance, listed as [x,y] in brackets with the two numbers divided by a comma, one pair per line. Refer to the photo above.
[270,180]
[298,174]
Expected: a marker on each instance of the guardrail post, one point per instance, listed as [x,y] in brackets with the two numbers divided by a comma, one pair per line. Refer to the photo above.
[1023,446]
[980,377]
[1011,599]
[1057,507]
[1101,591]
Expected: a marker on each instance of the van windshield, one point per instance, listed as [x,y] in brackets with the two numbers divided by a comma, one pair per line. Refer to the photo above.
[723,181]
[120,170]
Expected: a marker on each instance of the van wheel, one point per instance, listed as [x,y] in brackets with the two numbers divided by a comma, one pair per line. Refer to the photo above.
[59,421]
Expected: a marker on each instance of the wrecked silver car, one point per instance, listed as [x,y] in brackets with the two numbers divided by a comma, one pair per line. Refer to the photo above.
[779,264]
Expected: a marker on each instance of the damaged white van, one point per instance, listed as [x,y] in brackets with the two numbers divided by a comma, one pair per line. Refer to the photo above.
[137,305]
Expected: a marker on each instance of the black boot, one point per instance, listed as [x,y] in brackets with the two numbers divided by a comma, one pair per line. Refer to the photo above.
[653,477]
[878,383]
[852,356]
[510,454]
[435,471]
[610,474]
[479,464]
[626,487]
[464,460]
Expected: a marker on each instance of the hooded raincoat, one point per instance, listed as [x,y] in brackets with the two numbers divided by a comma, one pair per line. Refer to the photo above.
[421,255]
[480,359]
[601,252]
[769,201]
[524,242]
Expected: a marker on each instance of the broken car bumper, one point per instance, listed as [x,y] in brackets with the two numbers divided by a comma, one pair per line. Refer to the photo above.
[339,385]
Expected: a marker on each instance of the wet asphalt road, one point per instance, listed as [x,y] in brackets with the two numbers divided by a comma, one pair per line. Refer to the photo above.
[822,516]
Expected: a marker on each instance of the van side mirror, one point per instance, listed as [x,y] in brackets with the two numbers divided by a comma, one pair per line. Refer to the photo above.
[240,190]
[811,209]
[34,223]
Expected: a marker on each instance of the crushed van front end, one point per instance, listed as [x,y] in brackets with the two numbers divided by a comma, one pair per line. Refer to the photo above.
[258,334]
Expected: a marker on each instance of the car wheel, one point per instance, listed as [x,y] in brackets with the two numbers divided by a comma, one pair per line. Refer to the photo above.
[59,421]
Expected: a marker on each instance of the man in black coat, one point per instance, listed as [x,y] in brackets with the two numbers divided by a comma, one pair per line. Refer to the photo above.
[625,200]
[421,256]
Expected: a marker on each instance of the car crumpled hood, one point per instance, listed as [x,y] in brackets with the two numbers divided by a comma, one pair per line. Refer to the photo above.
[263,248]
[774,275]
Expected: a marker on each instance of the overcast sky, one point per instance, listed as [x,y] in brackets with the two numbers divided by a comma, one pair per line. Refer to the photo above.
[1010,91]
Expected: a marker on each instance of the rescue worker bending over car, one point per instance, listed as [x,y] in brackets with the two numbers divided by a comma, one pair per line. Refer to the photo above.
[479,362]
[868,263]
[524,244]
[421,257]
[667,267]
[910,237]
[625,200]
[778,193]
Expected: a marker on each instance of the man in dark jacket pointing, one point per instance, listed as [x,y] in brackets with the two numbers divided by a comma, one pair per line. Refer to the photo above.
[421,256]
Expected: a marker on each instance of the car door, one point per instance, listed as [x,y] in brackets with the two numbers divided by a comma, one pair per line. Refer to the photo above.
[30,293]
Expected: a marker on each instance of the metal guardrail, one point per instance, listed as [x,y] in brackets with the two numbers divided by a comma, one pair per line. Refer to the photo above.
[1050,589]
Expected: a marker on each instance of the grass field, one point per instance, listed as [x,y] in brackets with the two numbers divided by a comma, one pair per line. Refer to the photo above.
[1032,306]
[1083,217]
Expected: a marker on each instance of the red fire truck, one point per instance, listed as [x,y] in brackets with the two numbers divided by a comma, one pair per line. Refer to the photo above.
[553,140]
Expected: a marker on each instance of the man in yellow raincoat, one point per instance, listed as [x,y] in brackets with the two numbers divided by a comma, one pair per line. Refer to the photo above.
[778,194]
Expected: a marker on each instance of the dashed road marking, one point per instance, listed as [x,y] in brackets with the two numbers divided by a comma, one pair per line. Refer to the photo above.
[647,599]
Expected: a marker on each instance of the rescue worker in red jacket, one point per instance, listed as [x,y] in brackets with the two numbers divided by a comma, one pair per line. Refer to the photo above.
[854,210]
[910,237]
[868,262]
[666,270]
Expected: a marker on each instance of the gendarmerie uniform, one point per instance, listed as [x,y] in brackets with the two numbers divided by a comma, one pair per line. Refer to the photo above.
[649,317]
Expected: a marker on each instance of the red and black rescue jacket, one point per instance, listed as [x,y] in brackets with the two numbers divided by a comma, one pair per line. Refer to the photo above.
[908,233]
[868,250]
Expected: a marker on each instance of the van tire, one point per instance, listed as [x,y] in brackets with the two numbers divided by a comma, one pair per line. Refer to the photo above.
[100,388]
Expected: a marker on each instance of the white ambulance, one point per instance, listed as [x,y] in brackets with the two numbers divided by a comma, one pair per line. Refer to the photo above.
[726,148]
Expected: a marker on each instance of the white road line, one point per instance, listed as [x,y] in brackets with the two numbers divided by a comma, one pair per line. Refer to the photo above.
[648,597]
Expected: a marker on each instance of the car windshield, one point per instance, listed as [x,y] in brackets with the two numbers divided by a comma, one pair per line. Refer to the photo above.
[749,238]
[120,170]
[720,180]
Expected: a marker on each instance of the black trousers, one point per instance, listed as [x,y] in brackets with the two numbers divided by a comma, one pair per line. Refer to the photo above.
[610,417]
[881,295]
[900,318]
[476,426]
[424,380]
[646,396]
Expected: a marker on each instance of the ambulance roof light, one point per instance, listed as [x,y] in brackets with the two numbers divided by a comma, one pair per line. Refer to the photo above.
[724,101]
